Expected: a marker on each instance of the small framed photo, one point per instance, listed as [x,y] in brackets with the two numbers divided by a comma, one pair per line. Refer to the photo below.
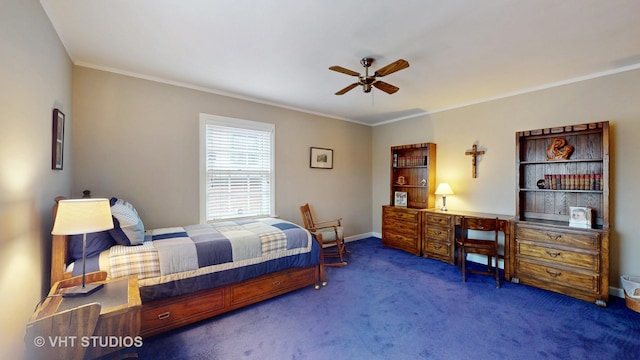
[321,158]
[580,217]
[400,199]
[57,142]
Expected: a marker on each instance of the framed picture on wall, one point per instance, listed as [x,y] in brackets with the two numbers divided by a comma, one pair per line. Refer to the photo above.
[321,158]
[57,143]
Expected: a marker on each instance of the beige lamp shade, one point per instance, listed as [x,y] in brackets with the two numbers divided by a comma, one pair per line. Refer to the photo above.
[81,216]
[444,189]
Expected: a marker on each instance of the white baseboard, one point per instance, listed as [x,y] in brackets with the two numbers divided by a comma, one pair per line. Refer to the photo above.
[361,236]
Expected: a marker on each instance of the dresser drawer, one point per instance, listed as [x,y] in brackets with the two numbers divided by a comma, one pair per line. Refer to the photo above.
[403,240]
[582,239]
[438,234]
[439,220]
[568,278]
[438,248]
[403,227]
[400,214]
[584,259]
[153,317]
[269,285]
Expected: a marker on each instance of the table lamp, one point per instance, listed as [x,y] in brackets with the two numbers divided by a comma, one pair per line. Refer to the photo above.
[444,189]
[82,216]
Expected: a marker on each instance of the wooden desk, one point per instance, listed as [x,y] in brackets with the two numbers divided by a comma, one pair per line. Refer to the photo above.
[439,238]
[119,320]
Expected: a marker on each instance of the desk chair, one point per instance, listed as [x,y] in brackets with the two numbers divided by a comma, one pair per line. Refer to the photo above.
[489,248]
[328,233]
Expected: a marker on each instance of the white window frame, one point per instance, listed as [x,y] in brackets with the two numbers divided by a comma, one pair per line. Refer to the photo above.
[208,119]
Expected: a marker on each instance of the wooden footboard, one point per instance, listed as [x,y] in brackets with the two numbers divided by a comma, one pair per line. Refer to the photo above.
[166,314]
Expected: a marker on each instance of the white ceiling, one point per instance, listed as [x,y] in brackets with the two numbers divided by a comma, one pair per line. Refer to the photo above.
[279,51]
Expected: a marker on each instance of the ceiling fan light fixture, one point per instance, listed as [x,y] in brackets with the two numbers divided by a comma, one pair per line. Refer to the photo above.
[367,81]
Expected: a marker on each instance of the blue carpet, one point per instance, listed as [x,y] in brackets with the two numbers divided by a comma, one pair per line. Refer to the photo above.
[387,304]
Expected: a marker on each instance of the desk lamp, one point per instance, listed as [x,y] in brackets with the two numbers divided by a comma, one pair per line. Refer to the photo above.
[444,189]
[82,216]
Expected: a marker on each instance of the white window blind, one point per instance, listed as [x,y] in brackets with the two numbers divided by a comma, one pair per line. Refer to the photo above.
[238,168]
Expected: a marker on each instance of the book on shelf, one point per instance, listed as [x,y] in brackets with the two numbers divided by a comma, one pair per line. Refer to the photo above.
[404,161]
[573,182]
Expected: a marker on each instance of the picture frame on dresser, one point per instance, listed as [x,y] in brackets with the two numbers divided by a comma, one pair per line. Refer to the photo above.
[400,199]
[57,140]
[580,217]
[320,158]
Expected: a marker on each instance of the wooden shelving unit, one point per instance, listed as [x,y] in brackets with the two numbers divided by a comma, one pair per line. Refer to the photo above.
[546,251]
[413,178]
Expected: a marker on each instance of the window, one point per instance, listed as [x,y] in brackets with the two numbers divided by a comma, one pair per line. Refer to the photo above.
[236,168]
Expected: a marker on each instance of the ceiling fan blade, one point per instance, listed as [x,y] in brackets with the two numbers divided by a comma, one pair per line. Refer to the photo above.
[393,67]
[388,88]
[340,69]
[347,89]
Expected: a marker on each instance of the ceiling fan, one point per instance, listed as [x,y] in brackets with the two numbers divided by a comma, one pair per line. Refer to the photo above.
[367,80]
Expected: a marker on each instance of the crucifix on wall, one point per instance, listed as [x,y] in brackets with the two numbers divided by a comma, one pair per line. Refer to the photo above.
[474,154]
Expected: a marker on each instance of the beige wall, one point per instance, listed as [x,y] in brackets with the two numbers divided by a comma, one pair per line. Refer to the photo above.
[35,78]
[492,127]
[138,139]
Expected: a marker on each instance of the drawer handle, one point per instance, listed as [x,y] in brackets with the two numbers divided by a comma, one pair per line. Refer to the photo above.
[437,247]
[553,273]
[164,315]
[438,232]
[276,283]
[553,236]
[553,254]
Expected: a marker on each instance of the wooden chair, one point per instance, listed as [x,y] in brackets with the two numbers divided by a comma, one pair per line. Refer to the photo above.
[59,336]
[328,233]
[489,248]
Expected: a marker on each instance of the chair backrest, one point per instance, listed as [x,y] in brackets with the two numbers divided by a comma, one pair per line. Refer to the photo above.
[479,224]
[305,211]
[58,336]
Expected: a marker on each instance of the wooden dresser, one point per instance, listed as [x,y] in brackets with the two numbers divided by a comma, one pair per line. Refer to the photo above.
[401,228]
[439,236]
[569,261]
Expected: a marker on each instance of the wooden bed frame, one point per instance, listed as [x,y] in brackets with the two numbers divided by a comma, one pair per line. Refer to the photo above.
[166,314]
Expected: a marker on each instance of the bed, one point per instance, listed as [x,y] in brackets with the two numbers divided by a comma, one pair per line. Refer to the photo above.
[190,273]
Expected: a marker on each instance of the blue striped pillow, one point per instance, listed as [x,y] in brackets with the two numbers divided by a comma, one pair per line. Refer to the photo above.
[128,228]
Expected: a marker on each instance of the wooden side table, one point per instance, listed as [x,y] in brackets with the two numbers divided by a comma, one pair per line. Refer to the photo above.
[117,327]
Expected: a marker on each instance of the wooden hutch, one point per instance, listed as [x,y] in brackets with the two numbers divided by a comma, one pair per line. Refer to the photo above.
[412,188]
[561,172]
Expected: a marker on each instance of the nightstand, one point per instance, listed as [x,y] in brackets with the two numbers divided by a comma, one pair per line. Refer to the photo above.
[117,326]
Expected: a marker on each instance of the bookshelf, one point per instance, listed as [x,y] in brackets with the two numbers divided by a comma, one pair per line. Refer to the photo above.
[559,170]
